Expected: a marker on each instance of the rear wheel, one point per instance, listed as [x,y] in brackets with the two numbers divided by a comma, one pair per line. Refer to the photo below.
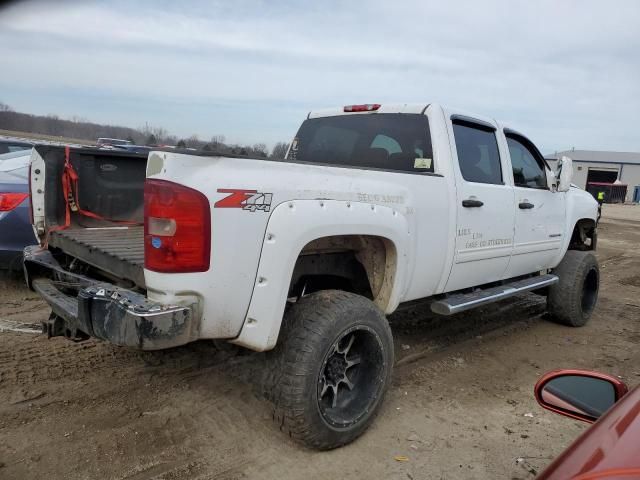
[332,367]
[572,300]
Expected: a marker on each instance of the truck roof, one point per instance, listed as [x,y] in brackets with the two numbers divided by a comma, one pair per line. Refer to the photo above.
[383,108]
[419,108]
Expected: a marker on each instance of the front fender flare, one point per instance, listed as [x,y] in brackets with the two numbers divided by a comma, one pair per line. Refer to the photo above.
[580,206]
[294,224]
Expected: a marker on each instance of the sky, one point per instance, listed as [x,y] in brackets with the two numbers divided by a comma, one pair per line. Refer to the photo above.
[564,72]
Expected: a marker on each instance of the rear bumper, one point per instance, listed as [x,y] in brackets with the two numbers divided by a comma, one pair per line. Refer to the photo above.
[102,310]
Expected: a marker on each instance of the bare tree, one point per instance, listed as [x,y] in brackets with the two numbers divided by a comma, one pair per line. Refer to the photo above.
[170,140]
[54,125]
[217,140]
[160,133]
[259,149]
[193,141]
[279,150]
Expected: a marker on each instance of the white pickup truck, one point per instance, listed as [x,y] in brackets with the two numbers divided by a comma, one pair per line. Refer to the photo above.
[374,205]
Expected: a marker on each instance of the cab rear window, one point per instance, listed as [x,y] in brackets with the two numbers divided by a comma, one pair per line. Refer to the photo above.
[389,141]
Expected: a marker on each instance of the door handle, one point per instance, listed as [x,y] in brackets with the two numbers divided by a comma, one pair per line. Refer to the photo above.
[525,205]
[472,203]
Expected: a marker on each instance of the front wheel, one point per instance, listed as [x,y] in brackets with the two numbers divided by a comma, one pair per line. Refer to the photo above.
[334,363]
[572,300]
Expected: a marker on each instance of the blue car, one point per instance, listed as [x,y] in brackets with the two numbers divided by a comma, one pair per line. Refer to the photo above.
[15,224]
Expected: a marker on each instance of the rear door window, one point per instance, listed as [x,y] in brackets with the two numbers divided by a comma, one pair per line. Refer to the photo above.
[478,154]
[390,141]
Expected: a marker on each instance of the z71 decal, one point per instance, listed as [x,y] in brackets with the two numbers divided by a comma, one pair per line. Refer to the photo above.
[251,200]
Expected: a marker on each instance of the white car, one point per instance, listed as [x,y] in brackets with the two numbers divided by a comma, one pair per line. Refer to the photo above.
[373,206]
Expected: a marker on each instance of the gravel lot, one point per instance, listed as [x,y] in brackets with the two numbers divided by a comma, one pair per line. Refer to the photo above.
[461,404]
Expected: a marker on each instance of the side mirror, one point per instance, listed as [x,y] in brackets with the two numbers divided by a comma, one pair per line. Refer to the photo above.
[564,173]
[579,394]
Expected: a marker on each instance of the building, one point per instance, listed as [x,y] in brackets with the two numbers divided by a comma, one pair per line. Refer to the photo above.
[590,166]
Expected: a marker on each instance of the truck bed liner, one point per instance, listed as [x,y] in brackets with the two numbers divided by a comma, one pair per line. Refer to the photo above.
[117,250]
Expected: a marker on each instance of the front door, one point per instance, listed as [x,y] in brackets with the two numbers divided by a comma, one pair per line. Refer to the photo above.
[484,204]
[539,212]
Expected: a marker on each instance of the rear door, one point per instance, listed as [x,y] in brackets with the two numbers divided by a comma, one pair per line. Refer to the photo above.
[539,211]
[484,204]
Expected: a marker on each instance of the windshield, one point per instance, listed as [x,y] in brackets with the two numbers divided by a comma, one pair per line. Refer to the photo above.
[12,147]
[390,141]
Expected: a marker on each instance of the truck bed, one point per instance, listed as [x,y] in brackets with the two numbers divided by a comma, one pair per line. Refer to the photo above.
[116,250]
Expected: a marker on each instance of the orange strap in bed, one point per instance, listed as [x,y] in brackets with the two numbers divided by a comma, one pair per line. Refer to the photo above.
[70,191]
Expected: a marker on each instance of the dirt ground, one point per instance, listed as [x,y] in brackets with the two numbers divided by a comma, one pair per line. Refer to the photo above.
[460,407]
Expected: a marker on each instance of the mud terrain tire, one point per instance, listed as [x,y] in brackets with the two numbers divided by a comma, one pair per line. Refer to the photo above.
[330,369]
[572,300]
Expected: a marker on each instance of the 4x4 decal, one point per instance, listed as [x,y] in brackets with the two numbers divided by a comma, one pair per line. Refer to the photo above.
[251,200]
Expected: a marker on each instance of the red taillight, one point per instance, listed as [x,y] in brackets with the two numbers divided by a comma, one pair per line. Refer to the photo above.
[367,107]
[9,201]
[177,228]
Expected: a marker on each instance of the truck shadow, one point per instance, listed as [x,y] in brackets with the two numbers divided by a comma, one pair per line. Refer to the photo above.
[417,333]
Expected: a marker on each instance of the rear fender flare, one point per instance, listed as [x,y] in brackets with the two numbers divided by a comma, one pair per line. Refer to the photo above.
[294,224]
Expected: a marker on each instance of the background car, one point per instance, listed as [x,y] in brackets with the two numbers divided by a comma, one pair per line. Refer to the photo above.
[610,449]
[15,224]
[112,142]
[133,148]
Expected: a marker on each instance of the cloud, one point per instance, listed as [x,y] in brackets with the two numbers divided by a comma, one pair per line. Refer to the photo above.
[564,72]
